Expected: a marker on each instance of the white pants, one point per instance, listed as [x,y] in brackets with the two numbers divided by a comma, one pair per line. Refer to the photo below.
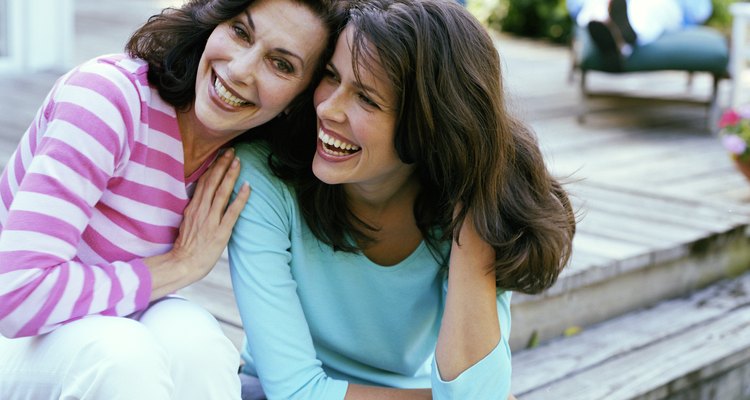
[649,18]
[175,351]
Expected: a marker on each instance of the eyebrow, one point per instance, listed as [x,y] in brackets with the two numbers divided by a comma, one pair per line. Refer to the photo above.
[371,90]
[249,19]
[359,86]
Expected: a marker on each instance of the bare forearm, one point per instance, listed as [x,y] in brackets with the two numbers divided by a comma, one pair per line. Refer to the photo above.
[470,327]
[362,392]
[168,275]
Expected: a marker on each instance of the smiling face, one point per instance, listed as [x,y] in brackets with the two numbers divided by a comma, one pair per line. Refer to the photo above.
[254,65]
[357,125]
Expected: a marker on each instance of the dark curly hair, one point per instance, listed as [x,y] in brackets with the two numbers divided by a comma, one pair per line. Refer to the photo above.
[173,41]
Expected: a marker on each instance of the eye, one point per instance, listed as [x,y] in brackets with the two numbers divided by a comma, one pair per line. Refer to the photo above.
[283,65]
[368,101]
[240,32]
[330,74]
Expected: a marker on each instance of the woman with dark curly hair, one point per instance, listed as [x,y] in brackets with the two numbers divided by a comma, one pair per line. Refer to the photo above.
[118,195]
[377,260]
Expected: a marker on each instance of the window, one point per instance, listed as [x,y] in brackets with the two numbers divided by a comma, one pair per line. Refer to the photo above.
[4,22]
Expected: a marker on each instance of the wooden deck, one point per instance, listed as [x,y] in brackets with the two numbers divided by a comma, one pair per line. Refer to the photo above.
[684,340]
[651,182]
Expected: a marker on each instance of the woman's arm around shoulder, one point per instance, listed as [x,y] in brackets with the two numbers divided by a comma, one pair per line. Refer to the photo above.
[472,359]
[204,231]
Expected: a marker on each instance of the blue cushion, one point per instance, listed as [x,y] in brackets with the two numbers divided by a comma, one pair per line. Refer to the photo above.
[697,48]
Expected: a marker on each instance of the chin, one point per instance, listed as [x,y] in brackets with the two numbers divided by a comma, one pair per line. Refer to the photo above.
[321,175]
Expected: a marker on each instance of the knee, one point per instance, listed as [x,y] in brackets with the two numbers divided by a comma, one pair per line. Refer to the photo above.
[122,346]
[116,358]
[190,336]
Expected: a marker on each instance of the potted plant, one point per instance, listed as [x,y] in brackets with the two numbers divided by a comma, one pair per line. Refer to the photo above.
[734,130]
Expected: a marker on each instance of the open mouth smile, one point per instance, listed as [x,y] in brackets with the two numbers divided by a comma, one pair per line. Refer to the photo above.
[227,96]
[336,147]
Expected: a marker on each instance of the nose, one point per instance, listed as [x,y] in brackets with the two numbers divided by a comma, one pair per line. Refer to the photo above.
[243,67]
[331,106]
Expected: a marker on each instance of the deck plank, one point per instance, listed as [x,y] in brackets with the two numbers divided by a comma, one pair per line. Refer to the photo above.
[701,321]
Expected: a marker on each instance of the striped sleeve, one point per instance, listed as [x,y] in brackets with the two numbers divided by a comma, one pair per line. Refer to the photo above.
[48,192]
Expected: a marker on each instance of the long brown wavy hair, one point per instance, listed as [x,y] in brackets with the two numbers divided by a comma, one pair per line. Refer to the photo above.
[453,125]
[173,41]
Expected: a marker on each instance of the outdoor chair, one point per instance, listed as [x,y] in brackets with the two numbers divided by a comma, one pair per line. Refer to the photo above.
[694,49]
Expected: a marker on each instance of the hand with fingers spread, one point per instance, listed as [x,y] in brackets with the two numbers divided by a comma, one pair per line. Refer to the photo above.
[208,221]
[204,231]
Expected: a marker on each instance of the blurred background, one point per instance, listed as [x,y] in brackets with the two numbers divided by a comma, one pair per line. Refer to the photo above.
[549,19]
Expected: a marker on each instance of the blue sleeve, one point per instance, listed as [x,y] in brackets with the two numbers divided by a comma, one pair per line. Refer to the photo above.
[696,12]
[277,334]
[490,377]
[574,7]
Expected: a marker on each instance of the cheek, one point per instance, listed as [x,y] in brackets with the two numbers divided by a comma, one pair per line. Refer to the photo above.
[283,92]
[320,95]
[298,88]
[214,42]
[388,144]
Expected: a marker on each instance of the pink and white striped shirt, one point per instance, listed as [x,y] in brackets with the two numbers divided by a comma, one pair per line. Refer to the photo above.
[95,185]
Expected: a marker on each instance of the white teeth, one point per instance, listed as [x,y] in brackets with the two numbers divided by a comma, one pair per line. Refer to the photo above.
[337,143]
[227,97]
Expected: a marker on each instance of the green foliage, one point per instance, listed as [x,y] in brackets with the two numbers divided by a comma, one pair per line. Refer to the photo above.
[487,10]
[535,18]
[721,19]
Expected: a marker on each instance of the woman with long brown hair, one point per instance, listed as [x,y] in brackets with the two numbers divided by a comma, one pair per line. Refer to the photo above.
[377,259]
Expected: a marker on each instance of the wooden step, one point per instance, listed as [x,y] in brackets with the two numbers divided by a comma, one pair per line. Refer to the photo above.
[656,245]
[695,347]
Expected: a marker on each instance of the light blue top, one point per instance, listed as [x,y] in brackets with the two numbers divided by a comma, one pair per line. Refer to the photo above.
[316,319]
[695,12]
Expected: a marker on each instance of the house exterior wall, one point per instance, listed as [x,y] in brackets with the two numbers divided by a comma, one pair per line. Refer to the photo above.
[36,35]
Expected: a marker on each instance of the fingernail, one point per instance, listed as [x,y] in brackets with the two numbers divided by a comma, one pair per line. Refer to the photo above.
[235,163]
[228,152]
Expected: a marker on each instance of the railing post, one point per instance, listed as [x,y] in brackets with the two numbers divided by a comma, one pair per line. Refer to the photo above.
[36,34]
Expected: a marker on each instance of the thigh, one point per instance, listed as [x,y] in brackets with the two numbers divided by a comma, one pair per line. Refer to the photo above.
[203,361]
[83,358]
[32,368]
